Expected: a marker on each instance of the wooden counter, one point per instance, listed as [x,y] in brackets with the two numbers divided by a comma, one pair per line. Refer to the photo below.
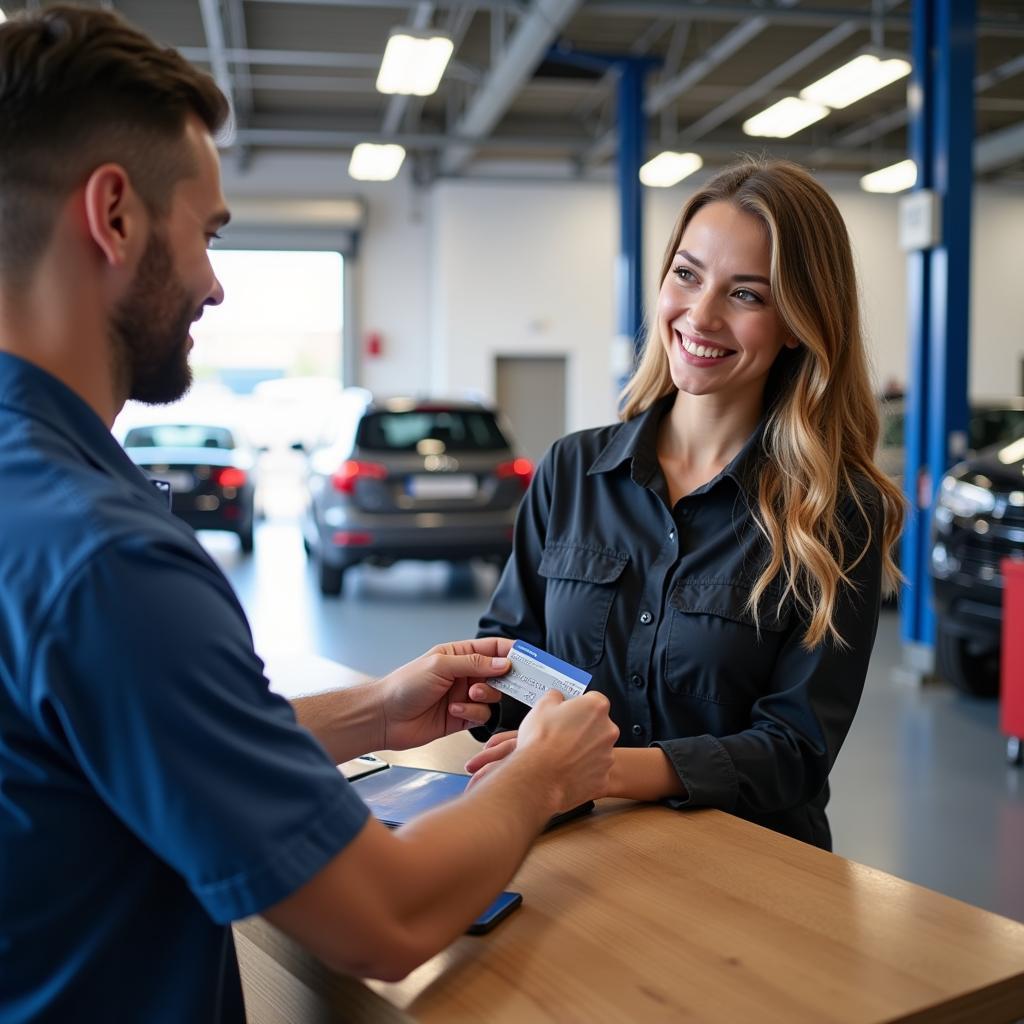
[639,913]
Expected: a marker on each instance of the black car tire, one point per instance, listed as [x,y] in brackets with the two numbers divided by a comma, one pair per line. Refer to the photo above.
[246,539]
[972,671]
[330,578]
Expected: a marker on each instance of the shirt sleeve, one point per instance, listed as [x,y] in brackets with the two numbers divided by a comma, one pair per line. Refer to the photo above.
[797,727]
[145,674]
[517,604]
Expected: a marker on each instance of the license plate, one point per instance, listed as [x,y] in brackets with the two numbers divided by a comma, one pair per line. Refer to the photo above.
[180,482]
[453,485]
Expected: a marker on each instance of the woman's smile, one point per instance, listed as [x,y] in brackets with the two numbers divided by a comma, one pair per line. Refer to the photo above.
[701,352]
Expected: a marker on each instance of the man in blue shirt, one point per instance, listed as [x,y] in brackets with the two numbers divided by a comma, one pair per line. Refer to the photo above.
[152,789]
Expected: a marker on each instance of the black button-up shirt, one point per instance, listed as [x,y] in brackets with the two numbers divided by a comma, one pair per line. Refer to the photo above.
[651,599]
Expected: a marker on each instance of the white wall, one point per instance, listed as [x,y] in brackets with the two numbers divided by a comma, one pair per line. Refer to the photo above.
[470,270]
[997,293]
[525,270]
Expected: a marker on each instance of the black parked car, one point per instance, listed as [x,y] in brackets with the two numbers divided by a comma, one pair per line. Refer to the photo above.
[209,469]
[411,478]
[979,520]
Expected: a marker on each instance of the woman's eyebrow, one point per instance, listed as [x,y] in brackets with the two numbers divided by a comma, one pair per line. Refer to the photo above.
[736,277]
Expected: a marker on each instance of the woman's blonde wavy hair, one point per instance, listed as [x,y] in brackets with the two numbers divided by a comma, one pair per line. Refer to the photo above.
[821,413]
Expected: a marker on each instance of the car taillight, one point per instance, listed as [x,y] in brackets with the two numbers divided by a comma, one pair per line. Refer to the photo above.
[521,469]
[230,477]
[350,472]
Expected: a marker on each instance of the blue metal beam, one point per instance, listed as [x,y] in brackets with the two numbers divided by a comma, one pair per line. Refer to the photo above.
[942,142]
[632,125]
[631,156]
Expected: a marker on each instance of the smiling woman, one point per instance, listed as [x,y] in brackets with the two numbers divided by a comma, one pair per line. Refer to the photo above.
[717,559]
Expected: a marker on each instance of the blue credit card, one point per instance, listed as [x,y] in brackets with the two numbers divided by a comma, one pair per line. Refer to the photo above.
[534,672]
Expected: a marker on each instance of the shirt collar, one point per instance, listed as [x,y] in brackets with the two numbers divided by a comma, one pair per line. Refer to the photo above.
[30,391]
[636,440]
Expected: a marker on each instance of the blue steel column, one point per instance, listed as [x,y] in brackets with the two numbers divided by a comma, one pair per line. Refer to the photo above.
[914,603]
[629,283]
[944,41]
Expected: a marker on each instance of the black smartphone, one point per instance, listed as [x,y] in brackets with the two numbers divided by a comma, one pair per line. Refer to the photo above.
[499,909]
[570,815]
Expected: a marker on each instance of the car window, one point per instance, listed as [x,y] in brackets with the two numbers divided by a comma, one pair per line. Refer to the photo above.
[179,435]
[457,429]
[995,426]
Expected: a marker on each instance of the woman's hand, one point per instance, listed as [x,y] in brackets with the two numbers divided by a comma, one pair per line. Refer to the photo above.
[442,691]
[497,748]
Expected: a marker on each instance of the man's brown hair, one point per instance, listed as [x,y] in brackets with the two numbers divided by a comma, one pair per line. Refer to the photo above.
[80,87]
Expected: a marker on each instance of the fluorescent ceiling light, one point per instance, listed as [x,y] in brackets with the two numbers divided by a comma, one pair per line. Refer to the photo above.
[894,178]
[3,17]
[371,162]
[785,118]
[414,62]
[668,168]
[859,78]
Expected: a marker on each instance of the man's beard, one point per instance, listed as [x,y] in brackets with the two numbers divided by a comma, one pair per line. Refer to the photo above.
[149,330]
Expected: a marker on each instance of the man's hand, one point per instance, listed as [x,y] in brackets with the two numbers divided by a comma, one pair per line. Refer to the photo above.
[442,692]
[570,741]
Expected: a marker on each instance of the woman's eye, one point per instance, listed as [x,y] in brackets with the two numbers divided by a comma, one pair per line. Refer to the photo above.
[684,274]
[746,295]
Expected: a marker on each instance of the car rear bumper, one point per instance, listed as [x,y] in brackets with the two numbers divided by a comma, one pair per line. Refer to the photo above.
[219,519]
[970,609]
[422,536]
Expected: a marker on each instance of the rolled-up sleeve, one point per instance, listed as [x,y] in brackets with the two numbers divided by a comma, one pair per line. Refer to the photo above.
[799,723]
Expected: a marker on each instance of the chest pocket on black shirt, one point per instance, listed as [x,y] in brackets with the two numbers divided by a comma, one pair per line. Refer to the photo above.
[580,590]
[713,651]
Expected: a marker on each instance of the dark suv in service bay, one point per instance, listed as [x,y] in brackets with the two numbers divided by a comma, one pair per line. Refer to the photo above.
[407,478]
[978,521]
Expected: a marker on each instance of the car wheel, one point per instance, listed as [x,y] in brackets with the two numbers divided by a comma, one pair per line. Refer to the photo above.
[330,578]
[971,669]
[246,539]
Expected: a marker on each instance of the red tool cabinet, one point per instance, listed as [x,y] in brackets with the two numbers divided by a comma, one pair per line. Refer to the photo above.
[1011,699]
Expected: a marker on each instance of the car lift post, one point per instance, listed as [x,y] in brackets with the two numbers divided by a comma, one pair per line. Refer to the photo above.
[941,104]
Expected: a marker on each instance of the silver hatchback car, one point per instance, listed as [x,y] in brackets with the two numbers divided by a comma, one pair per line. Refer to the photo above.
[412,478]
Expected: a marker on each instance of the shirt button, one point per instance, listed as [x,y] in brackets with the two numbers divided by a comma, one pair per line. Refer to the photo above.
[638,730]
[646,617]
[636,680]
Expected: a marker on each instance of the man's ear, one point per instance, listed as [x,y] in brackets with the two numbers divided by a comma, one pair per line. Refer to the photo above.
[113,213]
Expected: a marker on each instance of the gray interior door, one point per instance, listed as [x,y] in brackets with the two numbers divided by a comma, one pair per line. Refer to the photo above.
[531,393]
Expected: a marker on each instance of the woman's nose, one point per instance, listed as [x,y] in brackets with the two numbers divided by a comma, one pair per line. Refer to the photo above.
[703,314]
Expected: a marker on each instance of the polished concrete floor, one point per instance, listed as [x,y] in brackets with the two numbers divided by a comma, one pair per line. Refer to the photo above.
[921,789]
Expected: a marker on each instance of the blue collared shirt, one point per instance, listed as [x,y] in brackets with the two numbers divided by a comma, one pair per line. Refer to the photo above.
[152,788]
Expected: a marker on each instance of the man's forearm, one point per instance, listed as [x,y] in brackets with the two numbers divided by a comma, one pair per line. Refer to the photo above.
[391,900]
[347,722]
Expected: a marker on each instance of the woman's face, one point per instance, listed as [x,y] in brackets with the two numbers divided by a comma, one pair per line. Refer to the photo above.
[716,318]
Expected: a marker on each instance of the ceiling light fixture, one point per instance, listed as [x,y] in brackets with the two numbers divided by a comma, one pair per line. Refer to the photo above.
[856,79]
[414,62]
[785,118]
[668,169]
[373,162]
[894,178]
